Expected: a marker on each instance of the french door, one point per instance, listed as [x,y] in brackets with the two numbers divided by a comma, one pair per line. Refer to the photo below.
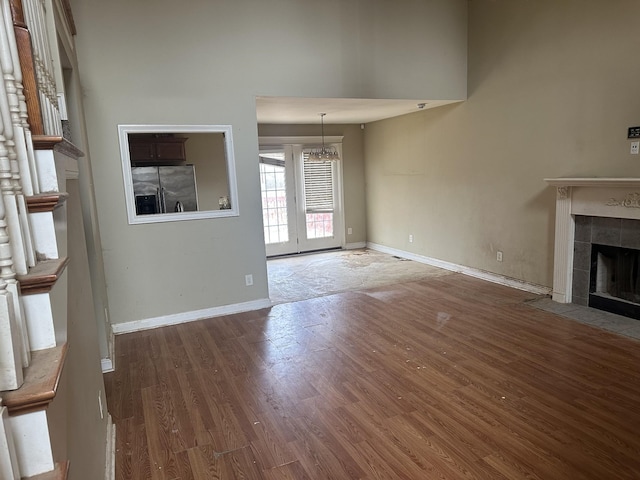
[301,201]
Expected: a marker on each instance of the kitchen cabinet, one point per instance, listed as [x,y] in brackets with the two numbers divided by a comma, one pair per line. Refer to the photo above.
[156,150]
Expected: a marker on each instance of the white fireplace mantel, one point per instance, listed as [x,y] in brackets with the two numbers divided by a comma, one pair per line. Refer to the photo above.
[593,182]
[596,197]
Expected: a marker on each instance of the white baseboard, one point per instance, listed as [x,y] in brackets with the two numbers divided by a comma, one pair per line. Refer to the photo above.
[107,365]
[176,318]
[110,460]
[355,246]
[472,272]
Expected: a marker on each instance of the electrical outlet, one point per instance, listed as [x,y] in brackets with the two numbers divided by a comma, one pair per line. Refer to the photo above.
[248,280]
[349,231]
[499,256]
[410,238]
[635,146]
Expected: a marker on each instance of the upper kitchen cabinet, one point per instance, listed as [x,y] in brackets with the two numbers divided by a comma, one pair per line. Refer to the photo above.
[156,149]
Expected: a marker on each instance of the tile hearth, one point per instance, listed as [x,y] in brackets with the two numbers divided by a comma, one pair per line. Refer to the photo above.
[591,316]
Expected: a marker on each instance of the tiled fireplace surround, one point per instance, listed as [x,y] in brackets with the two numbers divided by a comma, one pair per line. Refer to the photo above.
[615,232]
[590,210]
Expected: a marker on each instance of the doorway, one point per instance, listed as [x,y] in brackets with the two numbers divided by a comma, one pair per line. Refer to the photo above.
[301,201]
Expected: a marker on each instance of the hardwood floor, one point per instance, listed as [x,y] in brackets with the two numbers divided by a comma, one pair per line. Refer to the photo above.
[446,378]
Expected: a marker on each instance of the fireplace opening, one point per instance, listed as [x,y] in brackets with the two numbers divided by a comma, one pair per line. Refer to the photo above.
[615,280]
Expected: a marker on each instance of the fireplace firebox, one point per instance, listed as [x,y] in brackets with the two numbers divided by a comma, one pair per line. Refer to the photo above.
[614,284]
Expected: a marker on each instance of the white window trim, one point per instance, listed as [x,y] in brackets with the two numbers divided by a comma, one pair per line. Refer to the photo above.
[304,141]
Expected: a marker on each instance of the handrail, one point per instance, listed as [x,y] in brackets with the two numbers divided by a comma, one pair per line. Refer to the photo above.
[35,19]
[27,65]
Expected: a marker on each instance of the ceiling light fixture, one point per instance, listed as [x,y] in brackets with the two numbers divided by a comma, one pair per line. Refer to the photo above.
[324,154]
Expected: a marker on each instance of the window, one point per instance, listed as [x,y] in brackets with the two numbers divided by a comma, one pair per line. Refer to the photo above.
[274,197]
[318,197]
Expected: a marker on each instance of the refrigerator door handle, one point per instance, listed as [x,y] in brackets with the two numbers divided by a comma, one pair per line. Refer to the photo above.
[163,206]
[158,201]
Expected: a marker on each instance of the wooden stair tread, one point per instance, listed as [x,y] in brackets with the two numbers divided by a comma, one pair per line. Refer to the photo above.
[45,202]
[40,382]
[43,276]
[61,472]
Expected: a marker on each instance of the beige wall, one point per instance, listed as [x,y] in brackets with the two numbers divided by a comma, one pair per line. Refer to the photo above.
[202,62]
[78,433]
[552,90]
[206,152]
[77,399]
[352,164]
[75,110]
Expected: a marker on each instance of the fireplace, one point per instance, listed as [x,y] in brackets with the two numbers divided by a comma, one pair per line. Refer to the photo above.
[597,243]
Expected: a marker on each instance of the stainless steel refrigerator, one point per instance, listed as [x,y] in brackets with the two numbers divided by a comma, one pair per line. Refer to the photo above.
[164,189]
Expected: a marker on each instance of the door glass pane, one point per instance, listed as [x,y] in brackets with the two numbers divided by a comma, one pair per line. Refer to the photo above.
[274,198]
[319,198]
[319,225]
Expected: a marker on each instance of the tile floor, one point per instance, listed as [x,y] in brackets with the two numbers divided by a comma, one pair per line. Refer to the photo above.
[301,277]
[628,327]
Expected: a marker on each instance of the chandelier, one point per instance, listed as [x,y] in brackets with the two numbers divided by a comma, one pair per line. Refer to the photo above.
[324,154]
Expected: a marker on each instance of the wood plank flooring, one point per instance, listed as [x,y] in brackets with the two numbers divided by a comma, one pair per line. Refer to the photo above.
[446,378]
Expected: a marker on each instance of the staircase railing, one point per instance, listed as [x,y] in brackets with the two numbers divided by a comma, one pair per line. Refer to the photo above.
[35,15]
[33,314]
[25,55]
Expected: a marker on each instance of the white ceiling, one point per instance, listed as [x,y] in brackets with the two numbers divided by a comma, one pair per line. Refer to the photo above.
[295,110]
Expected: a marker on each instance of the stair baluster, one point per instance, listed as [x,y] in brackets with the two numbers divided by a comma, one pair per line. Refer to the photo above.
[16,215]
[8,460]
[10,62]
[35,16]
[11,341]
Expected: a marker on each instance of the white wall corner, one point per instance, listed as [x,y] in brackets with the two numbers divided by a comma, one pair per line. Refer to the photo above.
[107,365]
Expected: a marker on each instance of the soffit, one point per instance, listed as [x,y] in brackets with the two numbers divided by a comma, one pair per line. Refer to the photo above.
[296,110]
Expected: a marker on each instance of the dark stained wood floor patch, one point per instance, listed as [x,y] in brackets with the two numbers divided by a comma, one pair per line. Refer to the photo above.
[448,378]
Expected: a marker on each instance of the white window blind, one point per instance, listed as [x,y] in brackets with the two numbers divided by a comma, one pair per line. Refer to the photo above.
[318,185]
